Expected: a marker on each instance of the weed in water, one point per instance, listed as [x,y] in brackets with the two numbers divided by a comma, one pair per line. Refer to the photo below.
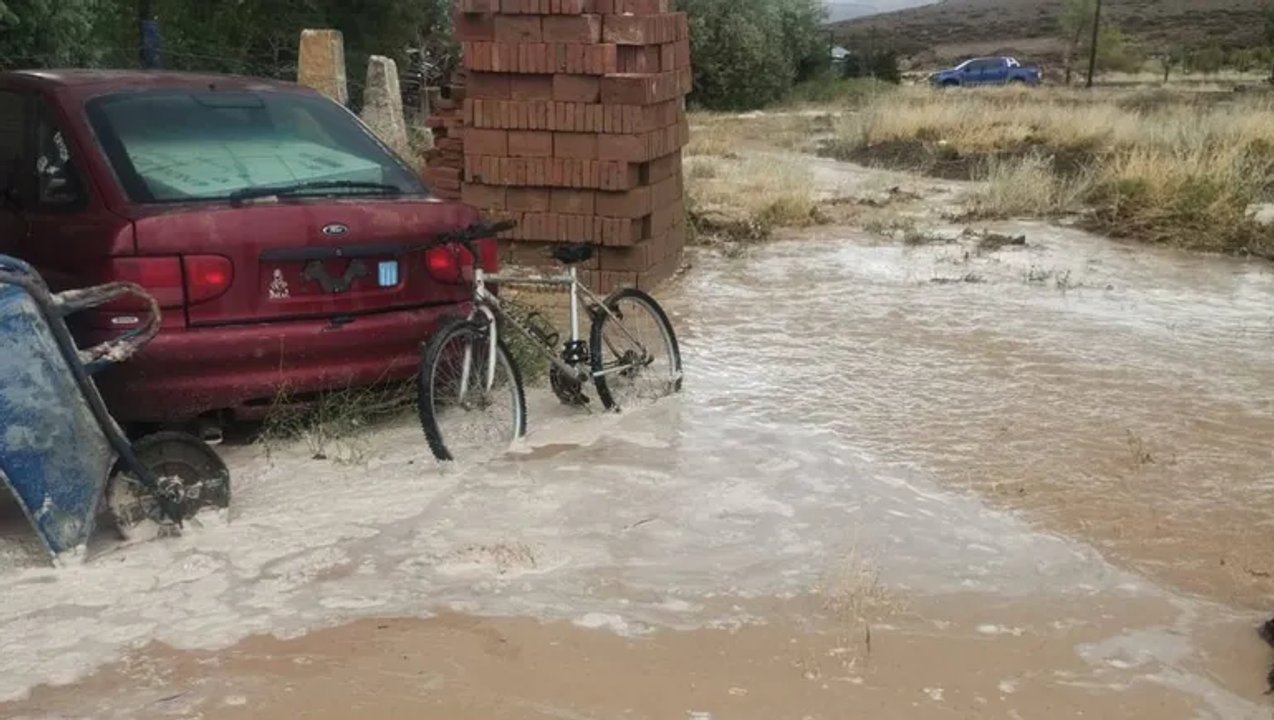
[1038,276]
[333,425]
[1138,453]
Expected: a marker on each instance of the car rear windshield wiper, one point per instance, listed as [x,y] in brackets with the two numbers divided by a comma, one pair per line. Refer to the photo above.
[253,193]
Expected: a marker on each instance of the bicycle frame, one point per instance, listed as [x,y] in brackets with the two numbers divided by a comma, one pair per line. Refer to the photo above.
[489,305]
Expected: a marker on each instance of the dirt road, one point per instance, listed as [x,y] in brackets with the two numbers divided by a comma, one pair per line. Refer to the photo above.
[935,480]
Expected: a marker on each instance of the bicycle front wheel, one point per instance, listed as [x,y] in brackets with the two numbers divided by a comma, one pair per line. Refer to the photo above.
[635,356]
[472,403]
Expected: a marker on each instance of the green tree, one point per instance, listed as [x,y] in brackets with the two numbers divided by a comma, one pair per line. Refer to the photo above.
[1207,60]
[1168,59]
[1077,30]
[803,36]
[749,53]
[1117,52]
[46,33]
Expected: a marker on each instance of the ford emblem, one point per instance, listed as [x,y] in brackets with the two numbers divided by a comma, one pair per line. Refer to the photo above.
[335,230]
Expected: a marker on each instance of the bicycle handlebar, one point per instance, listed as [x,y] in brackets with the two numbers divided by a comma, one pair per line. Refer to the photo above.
[476,231]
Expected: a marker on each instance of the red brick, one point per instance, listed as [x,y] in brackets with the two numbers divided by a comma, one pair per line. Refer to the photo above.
[639,257]
[475,27]
[626,29]
[662,168]
[487,85]
[530,143]
[627,89]
[582,29]
[523,199]
[573,202]
[530,87]
[443,177]
[575,146]
[666,192]
[633,147]
[479,6]
[576,88]
[486,142]
[486,197]
[665,218]
[518,29]
[634,203]
[635,59]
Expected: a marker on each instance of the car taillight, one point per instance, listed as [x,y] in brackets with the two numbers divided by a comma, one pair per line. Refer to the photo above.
[159,276]
[174,281]
[207,277]
[446,262]
[451,263]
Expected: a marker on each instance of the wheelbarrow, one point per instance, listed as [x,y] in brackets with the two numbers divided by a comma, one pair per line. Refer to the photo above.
[62,455]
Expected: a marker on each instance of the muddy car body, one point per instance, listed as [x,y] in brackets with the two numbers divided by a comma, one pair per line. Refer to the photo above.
[278,234]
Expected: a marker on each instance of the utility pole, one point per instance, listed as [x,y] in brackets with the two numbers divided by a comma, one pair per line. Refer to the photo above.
[1092,52]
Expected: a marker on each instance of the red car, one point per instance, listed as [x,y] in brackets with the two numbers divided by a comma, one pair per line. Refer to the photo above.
[278,234]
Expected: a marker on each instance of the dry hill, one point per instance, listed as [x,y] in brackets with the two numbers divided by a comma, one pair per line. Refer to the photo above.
[956,28]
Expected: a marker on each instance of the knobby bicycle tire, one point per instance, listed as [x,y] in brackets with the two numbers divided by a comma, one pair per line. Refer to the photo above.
[430,355]
[597,349]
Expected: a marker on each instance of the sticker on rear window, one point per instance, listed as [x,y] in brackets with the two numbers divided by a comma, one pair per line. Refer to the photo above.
[279,287]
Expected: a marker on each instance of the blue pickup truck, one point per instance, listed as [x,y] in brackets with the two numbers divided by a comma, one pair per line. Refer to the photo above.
[987,71]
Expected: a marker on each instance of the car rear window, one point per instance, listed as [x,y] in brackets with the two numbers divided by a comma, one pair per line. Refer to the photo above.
[190,145]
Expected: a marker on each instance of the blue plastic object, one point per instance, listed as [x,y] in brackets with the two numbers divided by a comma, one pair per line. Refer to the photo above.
[58,443]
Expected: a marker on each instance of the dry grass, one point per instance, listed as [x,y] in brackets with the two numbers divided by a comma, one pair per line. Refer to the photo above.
[335,425]
[741,198]
[1027,186]
[1156,167]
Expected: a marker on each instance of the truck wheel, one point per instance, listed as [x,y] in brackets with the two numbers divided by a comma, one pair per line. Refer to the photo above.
[947,84]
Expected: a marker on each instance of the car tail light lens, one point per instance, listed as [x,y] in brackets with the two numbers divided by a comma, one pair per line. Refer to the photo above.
[173,281]
[207,277]
[446,263]
[450,263]
[159,276]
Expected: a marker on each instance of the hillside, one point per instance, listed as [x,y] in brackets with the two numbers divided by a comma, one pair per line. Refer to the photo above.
[956,28]
[840,10]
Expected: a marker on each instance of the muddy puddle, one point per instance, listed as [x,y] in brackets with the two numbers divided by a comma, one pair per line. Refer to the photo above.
[924,480]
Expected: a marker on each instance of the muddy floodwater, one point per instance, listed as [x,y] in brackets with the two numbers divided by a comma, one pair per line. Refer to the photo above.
[941,480]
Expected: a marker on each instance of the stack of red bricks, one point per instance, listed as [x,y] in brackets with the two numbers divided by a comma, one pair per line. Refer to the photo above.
[444,163]
[573,125]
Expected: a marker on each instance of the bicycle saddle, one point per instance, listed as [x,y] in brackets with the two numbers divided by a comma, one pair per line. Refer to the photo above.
[573,254]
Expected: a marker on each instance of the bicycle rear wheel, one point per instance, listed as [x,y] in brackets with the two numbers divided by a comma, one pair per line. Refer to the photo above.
[635,356]
[471,403]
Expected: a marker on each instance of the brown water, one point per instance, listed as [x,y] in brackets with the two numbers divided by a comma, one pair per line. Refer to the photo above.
[901,482]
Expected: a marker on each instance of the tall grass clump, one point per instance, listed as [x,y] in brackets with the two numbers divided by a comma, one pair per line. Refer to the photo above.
[1027,186]
[1176,171]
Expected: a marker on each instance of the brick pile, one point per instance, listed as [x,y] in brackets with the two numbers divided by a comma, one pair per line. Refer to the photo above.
[444,163]
[572,123]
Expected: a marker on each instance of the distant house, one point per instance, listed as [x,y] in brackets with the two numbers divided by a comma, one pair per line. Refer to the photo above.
[839,56]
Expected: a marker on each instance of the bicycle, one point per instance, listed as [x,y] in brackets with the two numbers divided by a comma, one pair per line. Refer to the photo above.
[467,371]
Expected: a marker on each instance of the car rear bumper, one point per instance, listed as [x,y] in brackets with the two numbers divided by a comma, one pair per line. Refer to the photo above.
[244,370]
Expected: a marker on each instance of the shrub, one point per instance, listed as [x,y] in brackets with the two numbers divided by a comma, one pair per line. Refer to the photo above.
[749,53]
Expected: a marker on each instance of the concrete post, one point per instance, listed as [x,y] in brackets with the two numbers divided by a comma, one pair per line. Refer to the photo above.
[383,104]
[322,63]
